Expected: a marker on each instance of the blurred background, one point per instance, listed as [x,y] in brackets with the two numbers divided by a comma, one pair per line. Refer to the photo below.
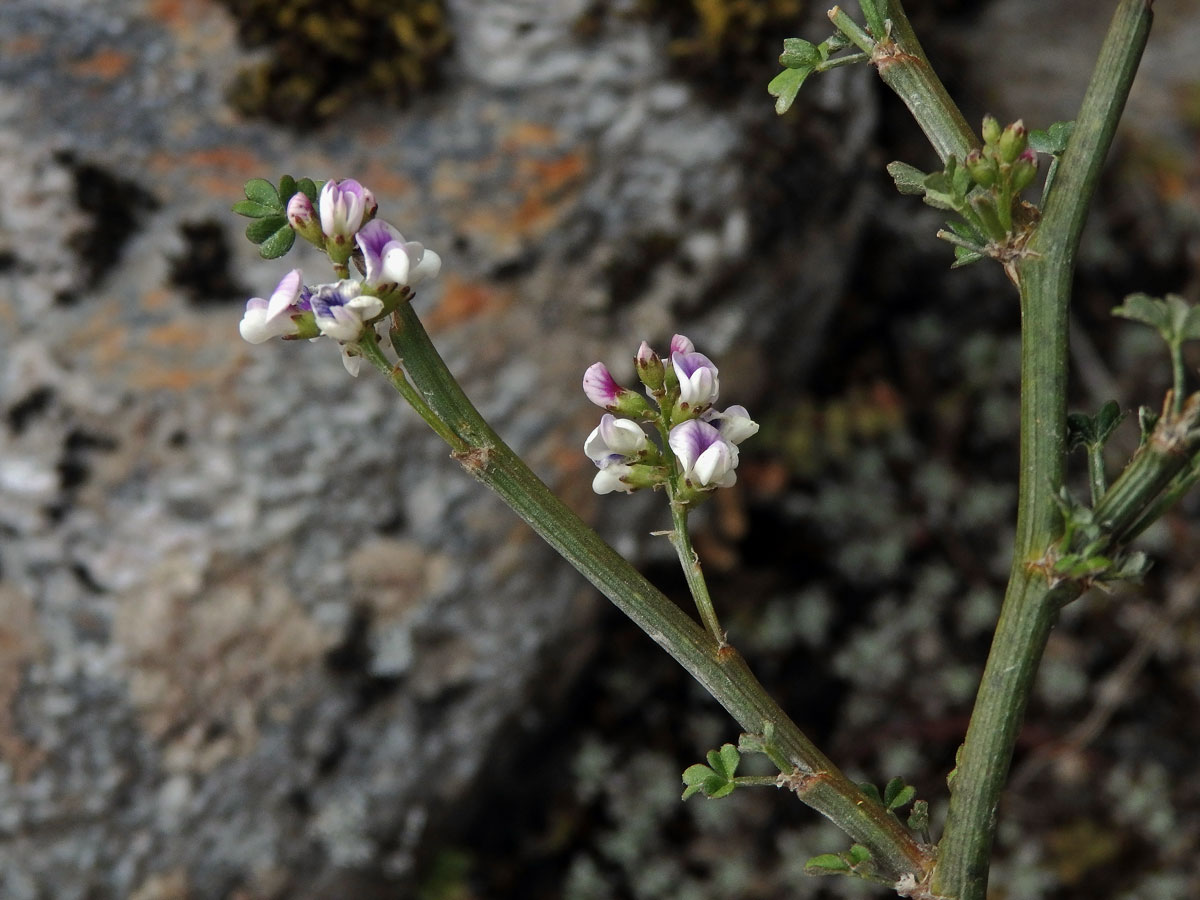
[261,638]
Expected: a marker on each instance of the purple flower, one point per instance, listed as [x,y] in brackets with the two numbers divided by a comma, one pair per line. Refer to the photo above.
[734,423]
[698,383]
[392,260]
[344,206]
[706,459]
[600,387]
[339,310]
[615,440]
[265,319]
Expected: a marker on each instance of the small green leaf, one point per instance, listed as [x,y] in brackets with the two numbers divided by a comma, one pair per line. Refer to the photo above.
[785,86]
[278,244]
[918,819]
[253,209]
[287,187]
[262,191]
[871,791]
[826,864]
[730,757]
[964,257]
[261,229]
[858,855]
[799,54]
[1053,140]
[1147,421]
[309,188]
[897,794]
[1094,431]
[909,179]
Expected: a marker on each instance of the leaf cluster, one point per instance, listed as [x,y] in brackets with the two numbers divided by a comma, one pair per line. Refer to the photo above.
[267,204]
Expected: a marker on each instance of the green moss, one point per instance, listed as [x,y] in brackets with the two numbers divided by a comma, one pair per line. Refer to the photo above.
[326,54]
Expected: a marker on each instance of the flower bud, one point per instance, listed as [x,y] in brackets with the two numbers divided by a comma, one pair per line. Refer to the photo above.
[650,368]
[982,169]
[1012,142]
[991,130]
[602,389]
[343,207]
[1024,170]
[303,218]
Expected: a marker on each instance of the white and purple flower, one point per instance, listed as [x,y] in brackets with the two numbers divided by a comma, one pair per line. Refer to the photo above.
[734,423]
[340,310]
[344,207]
[600,387]
[706,459]
[698,382]
[265,319]
[615,440]
[390,259]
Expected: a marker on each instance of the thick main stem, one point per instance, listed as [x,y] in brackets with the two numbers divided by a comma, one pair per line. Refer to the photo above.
[1044,278]
[720,669]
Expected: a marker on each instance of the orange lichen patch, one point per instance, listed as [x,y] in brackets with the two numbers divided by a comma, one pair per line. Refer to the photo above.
[180,335]
[157,300]
[20,644]
[455,180]
[464,300]
[383,181]
[212,168]
[528,134]
[105,64]
[21,45]
[168,12]
[545,191]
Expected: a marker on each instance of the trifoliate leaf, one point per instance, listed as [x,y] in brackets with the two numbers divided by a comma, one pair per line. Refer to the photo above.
[799,54]
[1094,431]
[897,794]
[785,86]
[918,819]
[262,191]
[1053,140]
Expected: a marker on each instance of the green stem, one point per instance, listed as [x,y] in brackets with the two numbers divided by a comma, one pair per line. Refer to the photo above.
[1179,371]
[720,669]
[690,561]
[1044,278]
[905,68]
[1097,477]
[372,352]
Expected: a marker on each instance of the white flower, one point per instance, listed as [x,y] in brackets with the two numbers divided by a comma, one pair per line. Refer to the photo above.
[706,459]
[615,440]
[734,423]
[339,310]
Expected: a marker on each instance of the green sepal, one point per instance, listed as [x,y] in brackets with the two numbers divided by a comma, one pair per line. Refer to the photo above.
[800,54]
[263,192]
[785,86]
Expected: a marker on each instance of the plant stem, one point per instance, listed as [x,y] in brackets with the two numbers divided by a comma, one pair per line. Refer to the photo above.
[720,669]
[1044,280]
[905,68]
[681,540]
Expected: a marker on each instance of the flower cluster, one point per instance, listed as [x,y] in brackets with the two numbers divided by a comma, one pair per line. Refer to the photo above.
[699,451]
[342,223]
